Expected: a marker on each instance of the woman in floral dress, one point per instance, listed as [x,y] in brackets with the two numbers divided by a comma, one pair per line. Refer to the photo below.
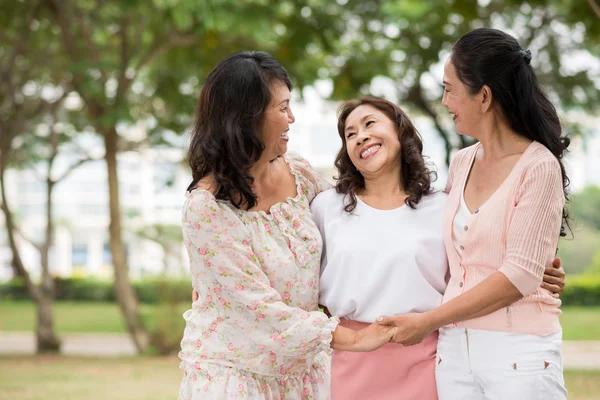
[255,331]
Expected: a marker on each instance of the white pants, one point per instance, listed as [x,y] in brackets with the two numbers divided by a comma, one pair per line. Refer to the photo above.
[475,364]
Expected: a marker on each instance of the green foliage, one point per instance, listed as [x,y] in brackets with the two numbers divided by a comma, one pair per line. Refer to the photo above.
[577,252]
[149,291]
[582,290]
[585,207]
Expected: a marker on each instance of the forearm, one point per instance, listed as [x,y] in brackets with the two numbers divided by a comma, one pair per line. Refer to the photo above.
[344,338]
[490,295]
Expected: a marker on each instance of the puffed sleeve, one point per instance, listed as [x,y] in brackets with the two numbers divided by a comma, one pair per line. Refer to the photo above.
[313,182]
[240,305]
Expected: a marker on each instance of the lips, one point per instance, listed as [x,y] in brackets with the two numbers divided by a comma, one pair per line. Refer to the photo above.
[369,151]
[284,136]
[454,116]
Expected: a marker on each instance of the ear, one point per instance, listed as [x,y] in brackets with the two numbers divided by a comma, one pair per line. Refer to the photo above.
[486,98]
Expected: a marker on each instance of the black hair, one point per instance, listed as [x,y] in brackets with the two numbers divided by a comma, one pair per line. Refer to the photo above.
[225,140]
[415,178]
[494,58]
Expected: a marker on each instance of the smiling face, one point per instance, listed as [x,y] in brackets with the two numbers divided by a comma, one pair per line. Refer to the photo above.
[372,141]
[277,121]
[465,108]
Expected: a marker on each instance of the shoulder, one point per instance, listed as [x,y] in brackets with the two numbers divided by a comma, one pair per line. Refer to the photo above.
[201,205]
[435,202]
[540,157]
[326,199]
[312,182]
[463,155]
[298,162]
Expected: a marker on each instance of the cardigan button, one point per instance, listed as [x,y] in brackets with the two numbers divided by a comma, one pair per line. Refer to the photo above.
[460,284]
[476,211]
[461,247]
[466,228]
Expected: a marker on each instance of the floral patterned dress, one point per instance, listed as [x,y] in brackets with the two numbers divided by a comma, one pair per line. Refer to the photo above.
[256,331]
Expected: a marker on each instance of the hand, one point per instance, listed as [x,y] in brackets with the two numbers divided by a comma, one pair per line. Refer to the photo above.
[195,296]
[554,278]
[411,328]
[373,337]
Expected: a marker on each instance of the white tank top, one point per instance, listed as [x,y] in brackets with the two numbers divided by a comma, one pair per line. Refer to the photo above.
[460,222]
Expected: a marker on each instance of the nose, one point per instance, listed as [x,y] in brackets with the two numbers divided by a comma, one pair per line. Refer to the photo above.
[291,117]
[362,137]
[444,99]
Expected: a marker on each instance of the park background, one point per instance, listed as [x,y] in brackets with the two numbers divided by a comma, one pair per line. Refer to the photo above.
[96,101]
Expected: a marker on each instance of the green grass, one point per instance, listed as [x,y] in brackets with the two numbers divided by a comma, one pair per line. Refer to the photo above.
[579,323]
[143,378]
[81,317]
[74,378]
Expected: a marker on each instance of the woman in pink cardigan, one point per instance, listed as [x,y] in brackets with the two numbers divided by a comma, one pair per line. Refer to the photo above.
[499,332]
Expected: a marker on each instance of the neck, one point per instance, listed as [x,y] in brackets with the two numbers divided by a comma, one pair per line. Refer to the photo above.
[499,140]
[261,171]
[384,186]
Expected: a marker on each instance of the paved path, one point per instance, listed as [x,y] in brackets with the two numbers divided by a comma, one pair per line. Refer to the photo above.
[576,354]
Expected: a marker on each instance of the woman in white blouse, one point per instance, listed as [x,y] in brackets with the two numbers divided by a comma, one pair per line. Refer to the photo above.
[383,250]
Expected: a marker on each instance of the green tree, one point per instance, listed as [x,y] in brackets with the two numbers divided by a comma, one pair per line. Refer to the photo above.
[145,60]
[404,41]
[32,91]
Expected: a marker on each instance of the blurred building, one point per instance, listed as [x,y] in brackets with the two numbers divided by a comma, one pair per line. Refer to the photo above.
[152,184]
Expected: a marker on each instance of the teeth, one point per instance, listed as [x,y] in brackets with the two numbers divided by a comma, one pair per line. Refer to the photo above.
[369,151]
[284,135]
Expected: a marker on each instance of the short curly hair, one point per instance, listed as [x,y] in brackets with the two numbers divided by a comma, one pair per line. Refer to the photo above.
[416,177]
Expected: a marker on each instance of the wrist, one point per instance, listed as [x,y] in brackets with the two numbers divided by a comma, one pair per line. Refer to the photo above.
[431,321]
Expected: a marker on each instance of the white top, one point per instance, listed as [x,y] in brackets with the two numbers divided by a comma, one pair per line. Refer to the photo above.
[460,221]
[380,262]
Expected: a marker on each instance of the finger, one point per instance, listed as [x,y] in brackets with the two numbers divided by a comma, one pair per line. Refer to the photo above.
[553,271]
[387,321]
[552,288]
[553,280]
[557,263]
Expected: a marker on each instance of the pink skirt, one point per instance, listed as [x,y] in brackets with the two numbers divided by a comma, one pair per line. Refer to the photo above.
[393,372]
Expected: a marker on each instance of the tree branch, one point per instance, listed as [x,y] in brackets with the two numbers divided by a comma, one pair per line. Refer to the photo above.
[74,167]
[158,49]
[19,45]
[415,96]
[595,7]
[123,82]
[92,49]
[27,238]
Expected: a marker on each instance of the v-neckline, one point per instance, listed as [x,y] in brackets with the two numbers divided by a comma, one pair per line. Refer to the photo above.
[472,161]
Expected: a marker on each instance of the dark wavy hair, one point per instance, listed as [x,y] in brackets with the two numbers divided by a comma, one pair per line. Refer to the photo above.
[416,178]
[225,142]
[491,57]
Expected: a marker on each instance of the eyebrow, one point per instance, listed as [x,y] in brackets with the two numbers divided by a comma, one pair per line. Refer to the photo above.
[361,120]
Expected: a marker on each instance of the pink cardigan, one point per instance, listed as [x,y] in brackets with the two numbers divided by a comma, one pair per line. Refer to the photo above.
[516,233]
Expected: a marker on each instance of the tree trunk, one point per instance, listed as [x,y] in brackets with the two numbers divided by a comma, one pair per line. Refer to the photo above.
[123,290]
[10,230]
[47,341]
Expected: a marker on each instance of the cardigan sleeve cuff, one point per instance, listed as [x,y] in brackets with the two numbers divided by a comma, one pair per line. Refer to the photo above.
[525,281]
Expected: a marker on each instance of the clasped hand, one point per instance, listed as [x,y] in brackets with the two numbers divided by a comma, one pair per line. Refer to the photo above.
[410,329]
